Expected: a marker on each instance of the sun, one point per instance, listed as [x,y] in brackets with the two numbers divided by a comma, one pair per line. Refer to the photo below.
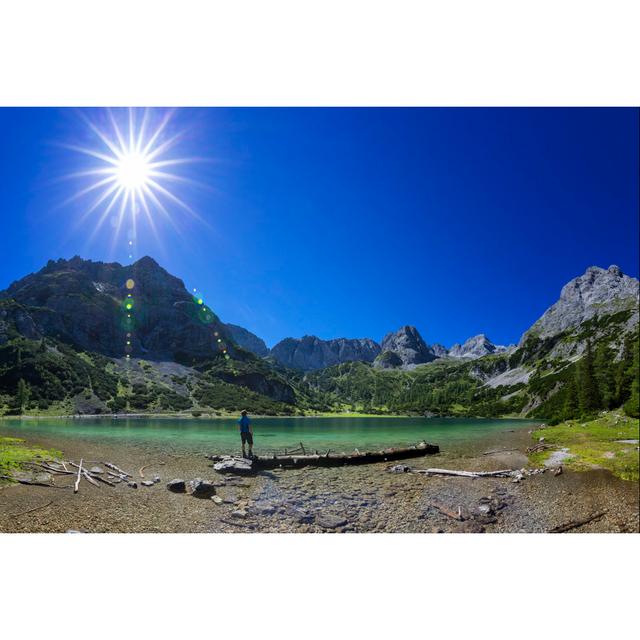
[131,169]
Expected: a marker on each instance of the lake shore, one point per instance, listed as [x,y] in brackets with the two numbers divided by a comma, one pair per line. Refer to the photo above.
[347,499]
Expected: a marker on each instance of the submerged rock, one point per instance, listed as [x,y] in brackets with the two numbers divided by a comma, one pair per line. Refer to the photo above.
[96,470]
[331,521]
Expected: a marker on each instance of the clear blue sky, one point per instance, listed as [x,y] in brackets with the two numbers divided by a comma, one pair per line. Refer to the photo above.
[352,222]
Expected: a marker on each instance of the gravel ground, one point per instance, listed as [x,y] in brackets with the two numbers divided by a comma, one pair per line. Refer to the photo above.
[348,499]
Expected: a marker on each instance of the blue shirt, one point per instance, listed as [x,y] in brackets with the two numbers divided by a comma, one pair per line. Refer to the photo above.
[244,423]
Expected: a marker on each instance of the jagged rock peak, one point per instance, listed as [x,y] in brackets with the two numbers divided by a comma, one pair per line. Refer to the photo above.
[310,352]
[475,347]
[597,292]
[408,345]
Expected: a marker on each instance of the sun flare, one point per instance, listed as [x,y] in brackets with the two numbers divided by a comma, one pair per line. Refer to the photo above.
[131,172]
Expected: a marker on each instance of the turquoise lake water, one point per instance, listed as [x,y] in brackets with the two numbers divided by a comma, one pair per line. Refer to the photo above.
[271,434]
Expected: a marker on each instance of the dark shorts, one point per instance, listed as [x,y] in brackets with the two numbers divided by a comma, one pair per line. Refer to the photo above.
[246,436]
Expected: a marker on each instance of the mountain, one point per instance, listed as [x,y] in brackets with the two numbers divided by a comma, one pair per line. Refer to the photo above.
[94,305]
[475,347]
[595,347]
[598,292]
[91,337]
[405,346]
[309,352]
[64,333]
[247,340]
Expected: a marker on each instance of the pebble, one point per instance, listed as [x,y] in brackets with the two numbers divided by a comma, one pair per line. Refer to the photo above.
[133,485]
[148,483]
[96,470]
[217,499]
[239,513]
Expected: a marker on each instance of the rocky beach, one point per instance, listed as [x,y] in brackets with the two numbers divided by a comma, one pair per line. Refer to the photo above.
[363,499]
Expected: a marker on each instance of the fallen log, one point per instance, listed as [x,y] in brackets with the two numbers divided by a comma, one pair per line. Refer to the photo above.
[294,461]
[574,524]
[502,473]
[447,512]
[22,513]
[77,482]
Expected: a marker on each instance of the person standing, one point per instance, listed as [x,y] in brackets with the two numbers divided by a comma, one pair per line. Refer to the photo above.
[246,433]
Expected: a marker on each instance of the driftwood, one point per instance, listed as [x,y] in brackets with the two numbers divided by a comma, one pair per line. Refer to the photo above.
[92,477]
[574,524]
[295,461]
[30,482]
[539,447]
[50,469]
[503,473]
[22,513]
[119,476]
[76,485]
[447,512]
[146,466]
[488,453]
[118,469]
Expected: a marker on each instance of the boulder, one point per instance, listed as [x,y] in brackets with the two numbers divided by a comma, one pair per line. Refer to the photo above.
[201,488]
[177,486]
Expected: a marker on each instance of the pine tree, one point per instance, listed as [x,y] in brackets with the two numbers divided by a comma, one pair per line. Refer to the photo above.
[604,371]
[632,405]
[589,396]
[571,407]
[23,395]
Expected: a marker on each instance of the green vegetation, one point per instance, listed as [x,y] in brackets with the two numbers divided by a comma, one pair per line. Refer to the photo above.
[595,444]
[50,376]
[14,453]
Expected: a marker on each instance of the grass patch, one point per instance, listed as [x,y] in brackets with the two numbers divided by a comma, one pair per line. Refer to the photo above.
[14,453]
[593,443]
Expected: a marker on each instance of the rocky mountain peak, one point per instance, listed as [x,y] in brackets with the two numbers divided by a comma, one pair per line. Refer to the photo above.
[310,352]
[408,345]
[597,292]
[474,347]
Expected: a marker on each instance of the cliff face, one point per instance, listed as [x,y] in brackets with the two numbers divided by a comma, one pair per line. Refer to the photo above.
[85,303]
[405,346]
[309,353]
[247,340]
[598,292]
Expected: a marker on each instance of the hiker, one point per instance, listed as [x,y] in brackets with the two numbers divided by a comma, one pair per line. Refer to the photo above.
[246,433]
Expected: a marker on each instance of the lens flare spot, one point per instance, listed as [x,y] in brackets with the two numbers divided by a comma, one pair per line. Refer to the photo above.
[130,283]
[200,301]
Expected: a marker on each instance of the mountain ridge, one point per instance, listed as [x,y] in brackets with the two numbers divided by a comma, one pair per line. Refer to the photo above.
[66,346]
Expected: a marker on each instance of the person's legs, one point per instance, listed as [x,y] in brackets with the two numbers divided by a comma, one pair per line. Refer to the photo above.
[250,441]
[243,438]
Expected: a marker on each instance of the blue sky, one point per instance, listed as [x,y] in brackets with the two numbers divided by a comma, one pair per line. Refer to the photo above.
[350,222]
